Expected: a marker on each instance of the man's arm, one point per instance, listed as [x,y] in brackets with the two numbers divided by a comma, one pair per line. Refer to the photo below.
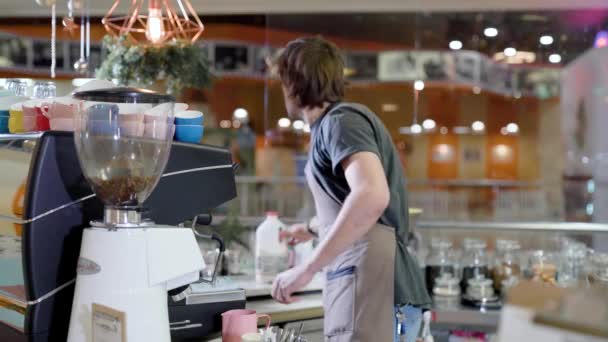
[369,196]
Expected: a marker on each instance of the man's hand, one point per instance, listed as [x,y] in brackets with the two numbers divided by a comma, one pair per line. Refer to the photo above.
[298,233]
[288,282]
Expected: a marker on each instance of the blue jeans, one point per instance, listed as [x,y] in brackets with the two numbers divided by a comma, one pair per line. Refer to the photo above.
[410,326]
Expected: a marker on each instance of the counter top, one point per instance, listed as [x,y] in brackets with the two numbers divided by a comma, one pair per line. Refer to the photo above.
[255,289]
[310,306]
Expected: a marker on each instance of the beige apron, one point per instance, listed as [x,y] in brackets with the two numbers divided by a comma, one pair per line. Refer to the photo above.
[358,297]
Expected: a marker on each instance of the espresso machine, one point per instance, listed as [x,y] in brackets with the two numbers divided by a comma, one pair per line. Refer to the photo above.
[127,268]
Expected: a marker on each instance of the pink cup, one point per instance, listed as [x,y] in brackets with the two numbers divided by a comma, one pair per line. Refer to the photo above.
[158,130]
[62,124]
[60,107]
[236,323]
[132,129]
[29,122]
[131,124]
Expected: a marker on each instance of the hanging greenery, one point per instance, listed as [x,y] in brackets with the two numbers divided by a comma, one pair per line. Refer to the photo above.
[179,64]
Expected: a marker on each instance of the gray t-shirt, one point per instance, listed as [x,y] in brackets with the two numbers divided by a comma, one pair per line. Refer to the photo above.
[349,128]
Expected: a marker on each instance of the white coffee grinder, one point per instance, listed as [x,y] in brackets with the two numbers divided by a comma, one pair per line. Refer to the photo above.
[127,265]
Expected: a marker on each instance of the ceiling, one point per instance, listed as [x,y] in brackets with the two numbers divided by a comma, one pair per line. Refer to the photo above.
[28,8]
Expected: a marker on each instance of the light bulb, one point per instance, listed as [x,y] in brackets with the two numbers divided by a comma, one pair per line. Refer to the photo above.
[284,122]
[555,58]
[416,129]
[155,28]
[240,113]
[429,124]
[478,126]
[298,125]
[419,85]
[510,52]
[512,128]
[490,32]
[455,45]
[546,40]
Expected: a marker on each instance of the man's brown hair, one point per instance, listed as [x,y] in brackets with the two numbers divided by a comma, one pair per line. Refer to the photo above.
[312,70]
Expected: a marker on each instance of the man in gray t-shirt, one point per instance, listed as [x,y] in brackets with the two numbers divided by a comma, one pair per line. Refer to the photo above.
[358,186]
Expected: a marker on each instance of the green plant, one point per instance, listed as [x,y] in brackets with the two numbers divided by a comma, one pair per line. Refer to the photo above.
[179,64]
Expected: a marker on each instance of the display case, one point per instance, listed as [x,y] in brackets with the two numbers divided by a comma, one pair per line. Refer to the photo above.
[556,253]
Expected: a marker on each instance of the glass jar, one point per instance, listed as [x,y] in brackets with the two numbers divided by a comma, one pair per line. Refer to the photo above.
[572,261]
[474,262]
[16,86]
[480,288]
[446,285]
[44,90]
[438,262]
[446,294]
[599,269]
[542,267]
[507,262]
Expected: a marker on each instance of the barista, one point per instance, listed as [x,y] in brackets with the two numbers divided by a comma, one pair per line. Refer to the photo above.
[358,185]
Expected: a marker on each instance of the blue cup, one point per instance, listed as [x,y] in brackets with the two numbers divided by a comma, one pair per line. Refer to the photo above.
[103,119]
[189,133]
[189,117]
[4,124]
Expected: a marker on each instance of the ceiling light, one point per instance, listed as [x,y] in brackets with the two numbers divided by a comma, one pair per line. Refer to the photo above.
[504,131]
[478,126]
[429,124]
[443,130]
[284,122]
[476,90]
[416,129]
[419,85]
[512,128]
[510,52]
[555,58]
[240,113]
[455,45]
[298,125]
[490,32]
[225,123]
[546,40]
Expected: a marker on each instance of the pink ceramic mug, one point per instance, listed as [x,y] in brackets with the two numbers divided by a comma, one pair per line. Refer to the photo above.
[236,323]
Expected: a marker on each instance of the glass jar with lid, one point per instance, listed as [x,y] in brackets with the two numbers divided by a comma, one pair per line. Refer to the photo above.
[438,262]
[474,262]
[507,262]
[572,261]
[480,288]
[599,269]
[542,266]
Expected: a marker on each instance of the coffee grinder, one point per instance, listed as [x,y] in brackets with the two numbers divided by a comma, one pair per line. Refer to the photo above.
[127,264]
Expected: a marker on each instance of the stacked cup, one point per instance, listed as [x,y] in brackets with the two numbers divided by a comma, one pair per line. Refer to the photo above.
[15,120]
[189,126]
[157,122]
[4,116]
[33,116]
[60,112]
